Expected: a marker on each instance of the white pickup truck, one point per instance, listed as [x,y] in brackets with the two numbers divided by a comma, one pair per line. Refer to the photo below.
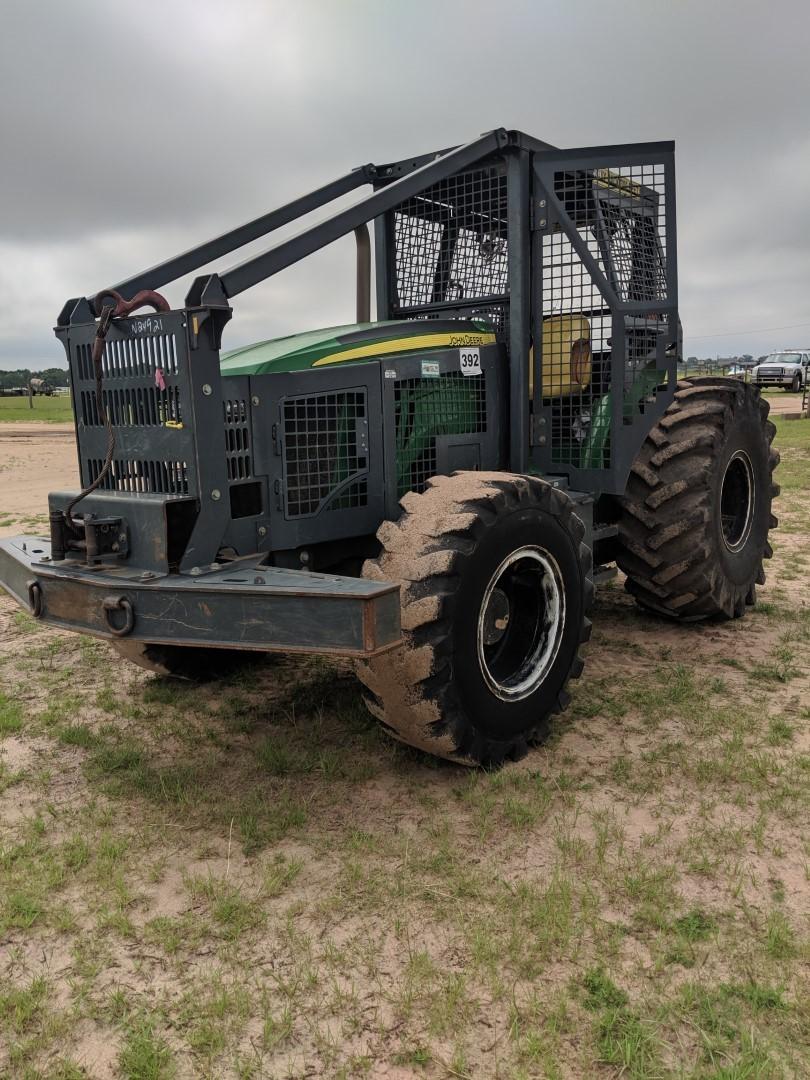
[788,368]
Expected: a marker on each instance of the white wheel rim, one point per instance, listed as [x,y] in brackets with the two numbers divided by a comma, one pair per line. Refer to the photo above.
[518,644]
[737,500]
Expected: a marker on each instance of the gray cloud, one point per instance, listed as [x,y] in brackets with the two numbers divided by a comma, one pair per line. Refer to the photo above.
[126,137]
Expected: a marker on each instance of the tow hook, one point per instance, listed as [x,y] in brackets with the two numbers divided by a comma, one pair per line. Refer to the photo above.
[118,603]
[35,598]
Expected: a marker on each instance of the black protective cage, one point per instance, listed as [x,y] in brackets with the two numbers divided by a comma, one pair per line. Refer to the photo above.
[569,254]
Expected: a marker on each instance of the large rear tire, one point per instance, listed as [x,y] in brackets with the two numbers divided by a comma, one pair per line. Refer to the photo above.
[495,589]
[697,511]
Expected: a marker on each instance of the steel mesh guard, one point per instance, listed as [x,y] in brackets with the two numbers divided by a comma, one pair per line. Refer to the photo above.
[425,408]
[604,273]
[450,242]
[325,452]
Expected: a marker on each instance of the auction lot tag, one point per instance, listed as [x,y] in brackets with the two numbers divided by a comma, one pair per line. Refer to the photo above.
[469,360]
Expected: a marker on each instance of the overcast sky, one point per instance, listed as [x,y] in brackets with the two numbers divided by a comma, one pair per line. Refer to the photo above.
[128,132]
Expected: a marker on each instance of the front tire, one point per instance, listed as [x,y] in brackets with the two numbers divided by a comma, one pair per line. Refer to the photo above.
[697,510]
[495,589]
[796,385]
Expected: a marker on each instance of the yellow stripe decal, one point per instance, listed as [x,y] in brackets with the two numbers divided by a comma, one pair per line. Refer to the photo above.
[408,344]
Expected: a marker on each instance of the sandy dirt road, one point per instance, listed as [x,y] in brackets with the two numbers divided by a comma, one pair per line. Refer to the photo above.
[34,459]
[785,404]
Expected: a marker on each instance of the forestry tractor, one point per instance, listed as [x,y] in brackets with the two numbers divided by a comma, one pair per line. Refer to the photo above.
[434,493]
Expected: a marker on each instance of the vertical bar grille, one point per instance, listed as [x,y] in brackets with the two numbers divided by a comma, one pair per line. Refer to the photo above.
[237,439]
[146,394]
[130,357]
[127,474]
[141,406]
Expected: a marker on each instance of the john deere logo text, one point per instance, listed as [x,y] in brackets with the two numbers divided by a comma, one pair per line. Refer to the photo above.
[461,340]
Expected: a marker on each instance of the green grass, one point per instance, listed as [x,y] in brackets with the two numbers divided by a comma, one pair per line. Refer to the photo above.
[793,435]
[145,1055]
[53,409]
[11,715]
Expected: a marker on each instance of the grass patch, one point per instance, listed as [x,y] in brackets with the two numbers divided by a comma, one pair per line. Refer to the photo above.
[145,1055]
[54,409]
[601,992]
[11,716]
[629,1043]
[21,1007]
[78,735]
[696,925]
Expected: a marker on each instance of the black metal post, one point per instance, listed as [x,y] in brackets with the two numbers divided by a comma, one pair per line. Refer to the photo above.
[363,239]
[519,247]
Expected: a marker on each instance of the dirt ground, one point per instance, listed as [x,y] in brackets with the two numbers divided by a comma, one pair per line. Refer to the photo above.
[34,460]
[245,878]
[784,404]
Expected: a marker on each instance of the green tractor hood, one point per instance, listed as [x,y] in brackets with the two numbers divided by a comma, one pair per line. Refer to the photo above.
[354,344]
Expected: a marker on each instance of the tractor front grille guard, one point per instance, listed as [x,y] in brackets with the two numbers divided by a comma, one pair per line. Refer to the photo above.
[146,391]
[605,326]
[160,390]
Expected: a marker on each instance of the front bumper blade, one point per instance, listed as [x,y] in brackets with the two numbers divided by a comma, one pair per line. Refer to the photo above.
[241,605]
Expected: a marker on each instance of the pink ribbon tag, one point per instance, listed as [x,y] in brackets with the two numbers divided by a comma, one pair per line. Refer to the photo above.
[160,382]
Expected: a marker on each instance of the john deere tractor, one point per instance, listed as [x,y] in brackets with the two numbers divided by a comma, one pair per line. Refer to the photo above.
[434,493]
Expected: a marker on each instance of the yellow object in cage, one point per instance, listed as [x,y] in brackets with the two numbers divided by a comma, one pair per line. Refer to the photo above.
[566,356]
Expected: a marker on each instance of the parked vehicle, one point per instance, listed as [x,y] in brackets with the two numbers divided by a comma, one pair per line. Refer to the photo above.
[788,369]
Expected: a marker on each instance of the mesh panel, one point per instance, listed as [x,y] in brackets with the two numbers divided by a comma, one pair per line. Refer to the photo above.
[618,217]
[496,315]
[353,496]
[424,408]
[450,241]
[324,450]
[629,216]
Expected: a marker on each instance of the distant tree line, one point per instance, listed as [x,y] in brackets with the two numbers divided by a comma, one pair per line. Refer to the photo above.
[21,377]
